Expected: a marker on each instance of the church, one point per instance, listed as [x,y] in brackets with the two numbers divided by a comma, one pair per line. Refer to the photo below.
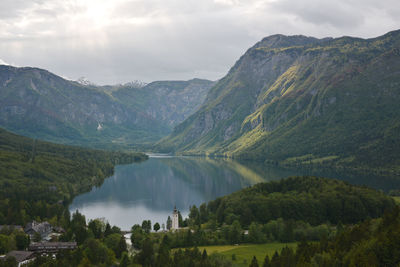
[175,220]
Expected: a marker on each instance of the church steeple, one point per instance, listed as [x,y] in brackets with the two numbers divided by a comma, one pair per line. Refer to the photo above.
[175,219]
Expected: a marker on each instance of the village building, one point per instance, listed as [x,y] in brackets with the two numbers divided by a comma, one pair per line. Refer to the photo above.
[51,247]
[44,229]
[58,229]
[175,220]
[22,257]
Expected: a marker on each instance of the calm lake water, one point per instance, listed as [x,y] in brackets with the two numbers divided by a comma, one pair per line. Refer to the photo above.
[150,190]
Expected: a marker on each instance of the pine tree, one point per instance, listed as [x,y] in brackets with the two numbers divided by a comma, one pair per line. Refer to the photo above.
[121,247]
[146,256]
[108,230]
[124,260]
[180,219]
[266,262]
[254,262]
[163,258]
[275,259]
[169,223]
[204,255]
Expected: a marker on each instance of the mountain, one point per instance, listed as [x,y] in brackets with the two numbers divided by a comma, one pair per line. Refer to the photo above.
[170,102]
[302,100]
[39,104]
[84,81]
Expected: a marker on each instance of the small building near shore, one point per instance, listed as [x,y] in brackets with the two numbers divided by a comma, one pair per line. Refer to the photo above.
[44,229]
[22,257]
[51,247]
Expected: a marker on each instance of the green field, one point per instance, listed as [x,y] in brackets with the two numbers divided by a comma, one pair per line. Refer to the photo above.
[244,253]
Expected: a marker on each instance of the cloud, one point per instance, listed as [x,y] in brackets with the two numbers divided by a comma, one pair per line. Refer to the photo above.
[122,40]
[333,13]
[10,9]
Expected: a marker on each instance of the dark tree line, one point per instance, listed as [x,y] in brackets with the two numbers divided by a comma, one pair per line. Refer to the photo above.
[309,199]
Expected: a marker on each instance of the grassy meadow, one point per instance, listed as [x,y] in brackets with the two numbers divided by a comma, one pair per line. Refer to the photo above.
[244,253]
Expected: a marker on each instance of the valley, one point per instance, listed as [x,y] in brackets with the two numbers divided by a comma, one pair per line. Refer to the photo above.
[243,164]
[302,100]
[290,100]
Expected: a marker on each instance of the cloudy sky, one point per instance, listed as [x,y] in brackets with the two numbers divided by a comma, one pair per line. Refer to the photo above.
[116,41]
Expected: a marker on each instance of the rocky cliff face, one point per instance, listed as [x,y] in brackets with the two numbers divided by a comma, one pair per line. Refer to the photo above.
[235,96]
[169,102]
[39,104]
[299,97]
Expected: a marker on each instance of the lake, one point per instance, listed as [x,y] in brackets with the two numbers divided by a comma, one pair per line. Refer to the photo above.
[150,190]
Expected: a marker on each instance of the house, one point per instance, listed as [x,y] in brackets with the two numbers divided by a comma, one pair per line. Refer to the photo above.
[44,229]
[58,229]
[22,257]
[51,247]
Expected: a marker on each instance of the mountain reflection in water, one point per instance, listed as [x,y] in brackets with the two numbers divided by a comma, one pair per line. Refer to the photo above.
[151,189]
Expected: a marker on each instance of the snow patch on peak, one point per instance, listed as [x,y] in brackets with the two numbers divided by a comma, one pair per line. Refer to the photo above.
[2,62]
[84,81]
[136,84]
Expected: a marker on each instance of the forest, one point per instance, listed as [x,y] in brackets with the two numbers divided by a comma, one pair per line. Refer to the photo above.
[203,228]
[324,216]
[374,242]
[311,199]
[343,214]
[39,179]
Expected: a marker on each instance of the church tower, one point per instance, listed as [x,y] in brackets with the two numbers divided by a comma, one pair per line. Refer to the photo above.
[175,219]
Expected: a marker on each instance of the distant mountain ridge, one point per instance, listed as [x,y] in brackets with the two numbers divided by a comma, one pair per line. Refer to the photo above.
[302,100]
[39,104]
[170,102]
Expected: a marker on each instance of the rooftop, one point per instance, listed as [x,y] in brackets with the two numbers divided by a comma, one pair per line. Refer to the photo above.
[20,255]
[52,245]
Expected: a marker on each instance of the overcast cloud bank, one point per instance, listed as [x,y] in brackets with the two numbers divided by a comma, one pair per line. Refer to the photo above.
[123,40]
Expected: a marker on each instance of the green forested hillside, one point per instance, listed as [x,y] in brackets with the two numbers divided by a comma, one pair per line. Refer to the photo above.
[301,100]
[333,216]
[38,179]
[310,199]
[371,243]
